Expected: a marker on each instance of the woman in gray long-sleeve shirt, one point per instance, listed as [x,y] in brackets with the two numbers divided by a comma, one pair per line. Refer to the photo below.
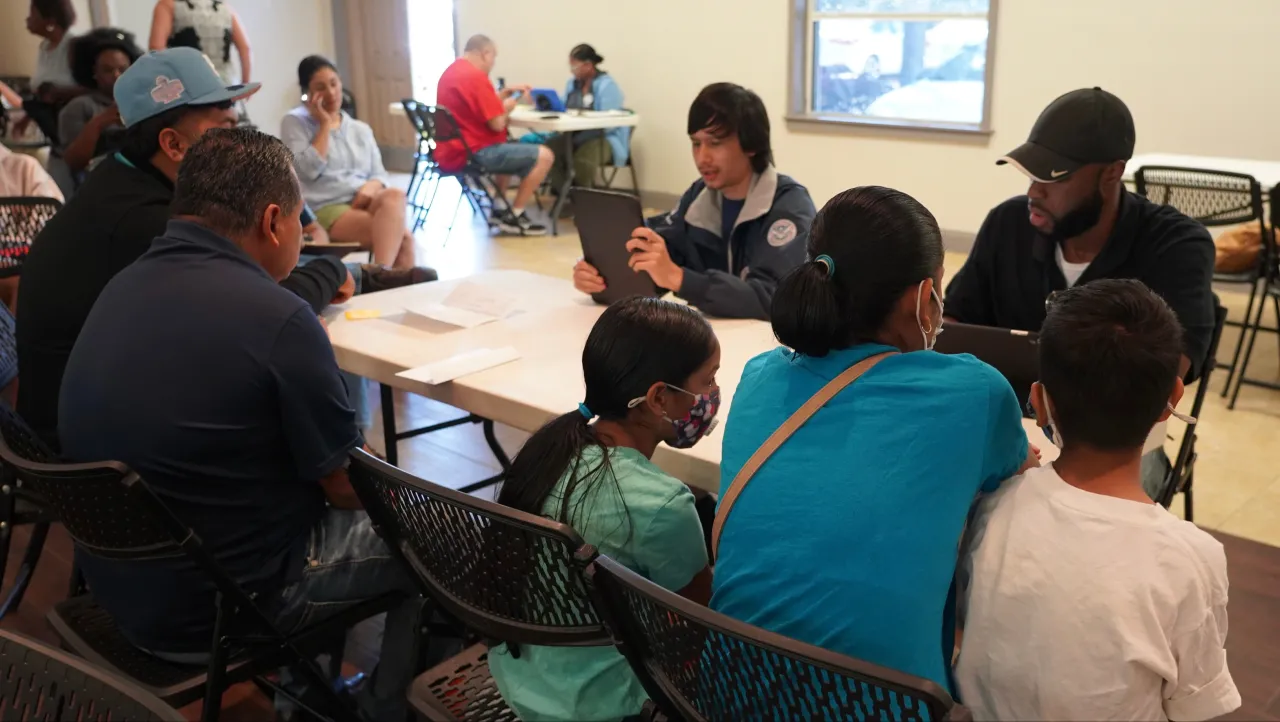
[341,170]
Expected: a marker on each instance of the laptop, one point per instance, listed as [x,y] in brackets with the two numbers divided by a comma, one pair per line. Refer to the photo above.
[1015,354]
[605,220]
[547,100]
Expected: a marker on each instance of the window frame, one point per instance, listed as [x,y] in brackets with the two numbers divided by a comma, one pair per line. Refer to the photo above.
[801,69]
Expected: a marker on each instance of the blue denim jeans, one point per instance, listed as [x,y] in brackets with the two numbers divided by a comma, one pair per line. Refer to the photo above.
[348,563]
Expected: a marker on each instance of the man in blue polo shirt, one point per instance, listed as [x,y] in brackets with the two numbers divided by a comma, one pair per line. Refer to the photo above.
[231,407]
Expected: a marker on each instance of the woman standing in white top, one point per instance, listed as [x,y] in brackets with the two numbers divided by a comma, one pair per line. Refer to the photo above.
[51,20]
[210,26]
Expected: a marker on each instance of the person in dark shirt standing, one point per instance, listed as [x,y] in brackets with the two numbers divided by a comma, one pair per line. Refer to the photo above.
[1078,223]
[739,228]
[231,407]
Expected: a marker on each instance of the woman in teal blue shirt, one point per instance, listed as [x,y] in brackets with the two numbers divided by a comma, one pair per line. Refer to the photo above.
[650,369]
[846,537]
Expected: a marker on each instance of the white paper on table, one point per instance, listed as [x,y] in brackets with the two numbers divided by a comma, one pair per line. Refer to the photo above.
[469,305]
[462,364]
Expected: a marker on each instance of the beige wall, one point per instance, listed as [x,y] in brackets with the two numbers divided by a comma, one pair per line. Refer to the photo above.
[1197,75]
[17,46]
[281,32]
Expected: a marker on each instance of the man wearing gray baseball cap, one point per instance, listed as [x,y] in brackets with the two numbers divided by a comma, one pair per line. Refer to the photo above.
[167,100]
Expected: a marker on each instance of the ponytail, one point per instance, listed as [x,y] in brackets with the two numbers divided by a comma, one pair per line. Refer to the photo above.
[869,245]
[806,310]
[552,451]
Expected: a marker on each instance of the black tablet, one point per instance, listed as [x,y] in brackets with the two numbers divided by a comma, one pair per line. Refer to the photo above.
[1015,354]
[605,220]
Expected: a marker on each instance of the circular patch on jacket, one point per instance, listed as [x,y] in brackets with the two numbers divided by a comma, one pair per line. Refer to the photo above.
[782,232]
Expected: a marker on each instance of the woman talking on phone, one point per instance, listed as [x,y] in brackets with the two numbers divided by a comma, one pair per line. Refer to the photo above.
[341,169]
[846,534]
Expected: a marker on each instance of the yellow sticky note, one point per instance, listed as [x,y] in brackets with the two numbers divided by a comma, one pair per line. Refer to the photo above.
[361,314]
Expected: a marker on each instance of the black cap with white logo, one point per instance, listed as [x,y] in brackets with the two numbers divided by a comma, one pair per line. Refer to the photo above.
[1084,126]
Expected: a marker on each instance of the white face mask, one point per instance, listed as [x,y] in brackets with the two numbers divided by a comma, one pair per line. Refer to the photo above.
[1055,436]
[924,334]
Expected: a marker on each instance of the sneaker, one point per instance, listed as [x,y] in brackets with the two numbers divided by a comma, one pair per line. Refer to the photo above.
[520,225]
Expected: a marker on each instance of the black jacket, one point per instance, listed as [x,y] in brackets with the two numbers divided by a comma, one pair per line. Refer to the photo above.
[106,226]
[1012,269]
[736,279]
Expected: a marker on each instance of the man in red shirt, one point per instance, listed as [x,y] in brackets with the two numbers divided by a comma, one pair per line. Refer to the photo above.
[482,116]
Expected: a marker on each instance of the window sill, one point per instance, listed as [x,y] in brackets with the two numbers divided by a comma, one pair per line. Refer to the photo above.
[844,123]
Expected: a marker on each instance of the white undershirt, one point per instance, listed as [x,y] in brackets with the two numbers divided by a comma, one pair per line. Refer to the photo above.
[1072,271]
[1081,606]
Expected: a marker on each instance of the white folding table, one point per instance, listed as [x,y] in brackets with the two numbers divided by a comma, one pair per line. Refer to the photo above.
[546,381]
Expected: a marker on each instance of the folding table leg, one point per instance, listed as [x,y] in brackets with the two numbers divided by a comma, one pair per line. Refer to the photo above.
[389,423]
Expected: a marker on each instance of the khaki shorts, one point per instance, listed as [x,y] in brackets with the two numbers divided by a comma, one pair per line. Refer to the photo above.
[328,215]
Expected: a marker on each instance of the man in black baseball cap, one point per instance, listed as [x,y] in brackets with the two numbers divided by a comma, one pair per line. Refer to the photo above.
[1078,223]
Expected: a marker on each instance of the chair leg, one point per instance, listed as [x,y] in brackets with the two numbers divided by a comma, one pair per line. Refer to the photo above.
[8,509]
[1188,507]
[1252,328]
[1244,329]
[217,669]
[456,207]
[22,579]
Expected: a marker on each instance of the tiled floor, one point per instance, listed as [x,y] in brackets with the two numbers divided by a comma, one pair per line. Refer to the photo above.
[1237,486]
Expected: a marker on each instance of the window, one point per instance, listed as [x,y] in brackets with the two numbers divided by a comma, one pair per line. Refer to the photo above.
[903,63]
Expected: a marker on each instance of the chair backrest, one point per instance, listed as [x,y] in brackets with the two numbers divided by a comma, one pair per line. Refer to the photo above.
[1215,198]
[40,683]
[512,577]
[417,114]
[21,219]
[349,103]
[1186,448]
[699,665]
[104,506]
[443,127]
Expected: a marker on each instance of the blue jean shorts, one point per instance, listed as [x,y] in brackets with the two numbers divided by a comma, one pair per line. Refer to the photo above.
[508,158]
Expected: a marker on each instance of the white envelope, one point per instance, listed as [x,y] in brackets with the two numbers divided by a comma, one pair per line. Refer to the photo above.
[462,364]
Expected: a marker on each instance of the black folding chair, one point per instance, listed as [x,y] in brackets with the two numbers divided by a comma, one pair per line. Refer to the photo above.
[20,505]
[111,513]
[478,187]
[512,577]
[698,665]
[21,220]
[1181,476]
[42,684]
[1219,198]
[426,172]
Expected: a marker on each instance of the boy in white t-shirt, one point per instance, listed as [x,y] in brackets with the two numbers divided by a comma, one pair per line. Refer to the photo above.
[1083,599]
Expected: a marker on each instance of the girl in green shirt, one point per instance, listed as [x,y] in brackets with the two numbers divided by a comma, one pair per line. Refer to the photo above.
[650,369]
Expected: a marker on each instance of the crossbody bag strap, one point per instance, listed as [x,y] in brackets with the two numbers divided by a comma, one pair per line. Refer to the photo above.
[784,432]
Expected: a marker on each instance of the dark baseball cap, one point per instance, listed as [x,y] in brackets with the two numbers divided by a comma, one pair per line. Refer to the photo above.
[165,79]
[1084,126]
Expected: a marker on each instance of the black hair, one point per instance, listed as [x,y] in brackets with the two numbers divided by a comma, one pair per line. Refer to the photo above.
[141,140]
[87,48]
[635,343]
[584,53]
[1109,357]
[727,109]
[311,65]
[882,242]
[231,175]
[60,12]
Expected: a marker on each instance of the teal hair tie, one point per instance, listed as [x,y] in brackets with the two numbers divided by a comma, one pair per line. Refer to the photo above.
[826,260]
[586,413]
